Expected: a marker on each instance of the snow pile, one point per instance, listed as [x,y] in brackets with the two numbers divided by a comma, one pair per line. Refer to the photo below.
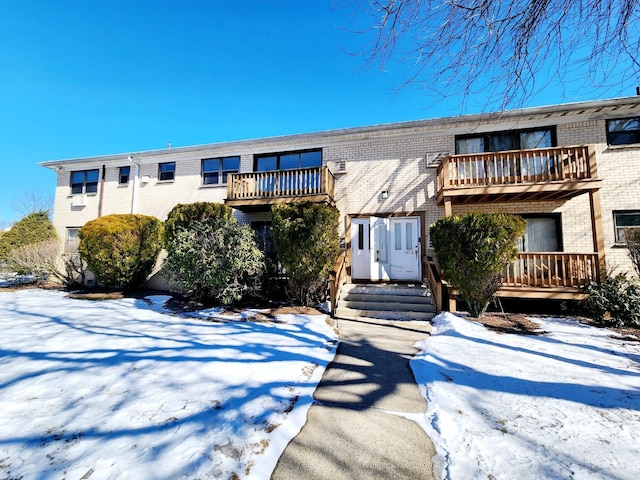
[122,389]
[565,404]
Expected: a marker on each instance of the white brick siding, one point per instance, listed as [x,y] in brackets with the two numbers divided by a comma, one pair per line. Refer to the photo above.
[391,158]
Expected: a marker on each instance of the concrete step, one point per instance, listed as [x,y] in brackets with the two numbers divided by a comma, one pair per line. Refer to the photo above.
[386,289]
[387,298]
[386,301]
[379,304]
[383,314]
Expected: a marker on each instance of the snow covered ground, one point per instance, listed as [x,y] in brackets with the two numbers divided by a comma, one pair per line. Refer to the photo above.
[561,405]
[122,389]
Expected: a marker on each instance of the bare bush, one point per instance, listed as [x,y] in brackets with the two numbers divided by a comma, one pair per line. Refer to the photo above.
[44,261]
[632,238]
[39,259]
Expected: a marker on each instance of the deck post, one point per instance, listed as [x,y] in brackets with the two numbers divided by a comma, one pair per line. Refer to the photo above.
[596,215]
[597,231]
[448,208]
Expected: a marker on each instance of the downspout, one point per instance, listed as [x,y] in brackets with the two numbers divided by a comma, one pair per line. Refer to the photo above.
[101,199]
[136,176]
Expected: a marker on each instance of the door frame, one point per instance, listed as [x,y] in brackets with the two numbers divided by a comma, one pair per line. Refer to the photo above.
[421,215]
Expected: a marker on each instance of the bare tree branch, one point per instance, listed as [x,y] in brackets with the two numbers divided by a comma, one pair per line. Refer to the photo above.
[500,48]
[32,202]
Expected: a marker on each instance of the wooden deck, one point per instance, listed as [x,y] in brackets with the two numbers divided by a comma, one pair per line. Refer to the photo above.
[256,190]
[517,175]
[536,275]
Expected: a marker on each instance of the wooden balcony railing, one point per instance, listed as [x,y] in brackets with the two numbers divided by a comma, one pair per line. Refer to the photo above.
[300,182]
[551,270]
[516,167]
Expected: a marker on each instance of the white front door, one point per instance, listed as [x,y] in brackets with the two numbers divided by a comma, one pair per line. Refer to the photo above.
[378,228]
[404,249]
[385,249]
[360,249]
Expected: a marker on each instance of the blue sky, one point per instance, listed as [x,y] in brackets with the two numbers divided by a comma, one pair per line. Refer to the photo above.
[95,77]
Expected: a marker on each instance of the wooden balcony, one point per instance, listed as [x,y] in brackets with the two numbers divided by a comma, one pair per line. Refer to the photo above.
[260,190]
[534,275]
[517,175]
[558,275]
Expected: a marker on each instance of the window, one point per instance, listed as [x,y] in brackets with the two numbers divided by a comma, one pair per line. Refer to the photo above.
[123,175]
[216,170]
[542,234]
[623,131]
[622,220]
[71,240]
[264,239]
[84,181]
[166,171]
[288,160]
[502,141]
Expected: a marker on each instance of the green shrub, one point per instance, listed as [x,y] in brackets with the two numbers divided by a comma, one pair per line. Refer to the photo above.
[614,302]
[632,239]
[473,250]
[121,250]
[34,228]
[307,245]
[182,216]
[216,259]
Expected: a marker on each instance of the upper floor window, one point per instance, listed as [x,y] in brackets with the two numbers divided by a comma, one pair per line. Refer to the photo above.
[166,171]
[623,220]
[216,170]
[288,160]
[84,181]
[623,131]
[502,141]
[123,175]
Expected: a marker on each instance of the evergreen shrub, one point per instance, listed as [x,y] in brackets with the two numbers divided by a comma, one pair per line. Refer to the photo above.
[473,250]
[307,245]
[215,259]
[182,216]
[121,249]
[614,302]
[34,228]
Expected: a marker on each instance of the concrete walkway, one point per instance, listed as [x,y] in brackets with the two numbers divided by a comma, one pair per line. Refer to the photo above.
[350,432]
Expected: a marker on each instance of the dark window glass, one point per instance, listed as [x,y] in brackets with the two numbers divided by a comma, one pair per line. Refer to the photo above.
[624,131]
[311,159]
[503,141]
[123,175]
[470,145]
[210,171]
[230,165]
[84,181]
[265,164]
[536,139]
[288,160]
[166,171]
[216,170]
[624,220]
[500,142]
[264,239]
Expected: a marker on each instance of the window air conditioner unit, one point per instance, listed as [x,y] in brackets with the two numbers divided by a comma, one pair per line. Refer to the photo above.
[433,159]
[337,166]
[79,201]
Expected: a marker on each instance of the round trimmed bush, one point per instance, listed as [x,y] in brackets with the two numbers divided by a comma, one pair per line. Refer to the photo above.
[121,249]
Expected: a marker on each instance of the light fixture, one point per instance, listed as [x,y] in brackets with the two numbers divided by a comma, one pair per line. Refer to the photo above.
[385,194]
